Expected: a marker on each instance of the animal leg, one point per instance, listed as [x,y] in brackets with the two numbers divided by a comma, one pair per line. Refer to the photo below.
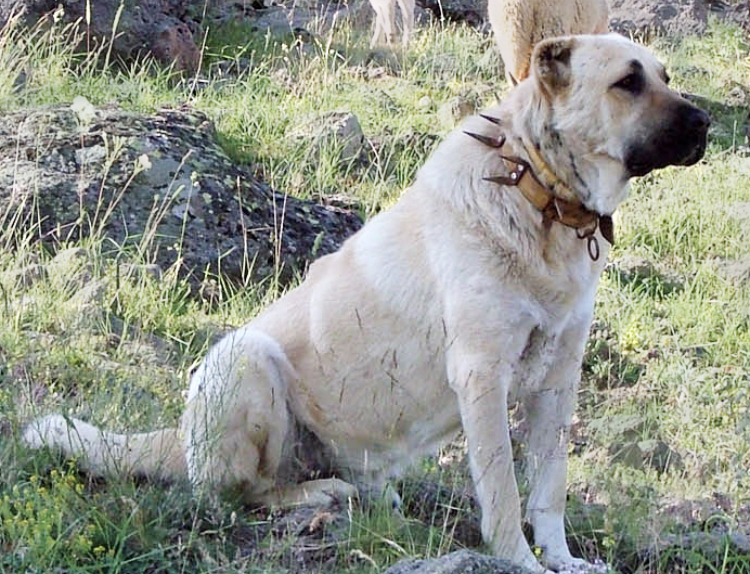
[236,418]
[378,32]
[320,492]
[548,414]
[481,385]
[407,20]
[384,22]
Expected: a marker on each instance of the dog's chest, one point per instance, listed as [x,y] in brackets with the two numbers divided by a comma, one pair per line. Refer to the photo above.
[535,361]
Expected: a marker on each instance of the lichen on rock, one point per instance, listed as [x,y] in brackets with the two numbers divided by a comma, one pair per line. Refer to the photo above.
[157,186]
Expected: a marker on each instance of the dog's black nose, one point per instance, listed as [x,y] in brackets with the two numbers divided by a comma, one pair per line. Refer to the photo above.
[696,119]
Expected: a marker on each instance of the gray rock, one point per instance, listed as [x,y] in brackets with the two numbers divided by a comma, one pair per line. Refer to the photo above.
[148,271]
[472,12]
[635,269]
[629,427]
[632,267]
[736,271]
[713,545]
[67,261]
[660,456]
[230,223]
[455,109]
[70,269]
[27,276]
[85,310]
[163,27]
[90,295]
[627,453]
[675,18]
[280,21]
[627,449]
[459,562]
[339,131]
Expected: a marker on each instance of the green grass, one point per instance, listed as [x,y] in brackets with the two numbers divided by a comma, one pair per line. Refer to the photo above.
[669,355]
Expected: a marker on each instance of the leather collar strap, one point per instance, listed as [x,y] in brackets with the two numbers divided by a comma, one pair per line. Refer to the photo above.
[546,198]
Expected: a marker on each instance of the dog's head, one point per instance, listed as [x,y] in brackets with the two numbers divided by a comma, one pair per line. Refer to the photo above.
[608,97]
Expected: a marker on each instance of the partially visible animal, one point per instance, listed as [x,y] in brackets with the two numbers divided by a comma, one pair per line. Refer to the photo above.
[385,21]
[519,25]
[473,293]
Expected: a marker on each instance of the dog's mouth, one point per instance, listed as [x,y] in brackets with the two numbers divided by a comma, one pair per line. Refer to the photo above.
[696,154]
[682,142]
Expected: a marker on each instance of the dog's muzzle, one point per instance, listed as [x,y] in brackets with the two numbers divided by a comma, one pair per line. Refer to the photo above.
[680,140]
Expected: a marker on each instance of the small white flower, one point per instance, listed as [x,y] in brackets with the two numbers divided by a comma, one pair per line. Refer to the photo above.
[58,14]
[142,163]
[83,109]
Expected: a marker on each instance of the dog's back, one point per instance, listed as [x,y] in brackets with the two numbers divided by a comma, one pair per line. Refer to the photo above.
[519,25]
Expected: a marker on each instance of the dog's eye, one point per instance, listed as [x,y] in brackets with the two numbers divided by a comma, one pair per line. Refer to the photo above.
[632,83]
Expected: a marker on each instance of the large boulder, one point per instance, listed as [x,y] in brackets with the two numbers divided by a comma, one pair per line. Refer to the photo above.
[672,17]
[164,28]
[157,186]
[472,12]
[738,13]
[459,562]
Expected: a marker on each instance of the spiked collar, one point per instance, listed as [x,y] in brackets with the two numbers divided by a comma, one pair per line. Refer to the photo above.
[549,194]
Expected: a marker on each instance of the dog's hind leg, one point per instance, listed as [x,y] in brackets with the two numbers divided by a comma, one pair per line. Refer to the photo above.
[237,419]
[378,31]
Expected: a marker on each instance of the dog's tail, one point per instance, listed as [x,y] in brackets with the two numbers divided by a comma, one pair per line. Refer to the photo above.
[157,454]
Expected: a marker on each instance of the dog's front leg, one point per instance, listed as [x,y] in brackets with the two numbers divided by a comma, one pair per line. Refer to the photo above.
[548,413]
[481,385]
[548,417]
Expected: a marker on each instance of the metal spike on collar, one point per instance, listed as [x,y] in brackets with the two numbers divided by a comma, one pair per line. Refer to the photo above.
[488,140]
[607,228]
[503,179]
[496,121]
[514,176]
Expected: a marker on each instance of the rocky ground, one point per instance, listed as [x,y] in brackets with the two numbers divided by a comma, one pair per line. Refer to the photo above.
[159,186]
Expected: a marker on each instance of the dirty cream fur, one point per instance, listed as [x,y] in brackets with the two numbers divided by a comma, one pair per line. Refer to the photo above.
[519,25]
[385,21]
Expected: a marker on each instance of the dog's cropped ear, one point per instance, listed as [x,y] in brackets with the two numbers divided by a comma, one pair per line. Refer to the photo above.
[551,63]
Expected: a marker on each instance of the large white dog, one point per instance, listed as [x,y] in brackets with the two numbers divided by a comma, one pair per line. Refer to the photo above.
[474,292]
